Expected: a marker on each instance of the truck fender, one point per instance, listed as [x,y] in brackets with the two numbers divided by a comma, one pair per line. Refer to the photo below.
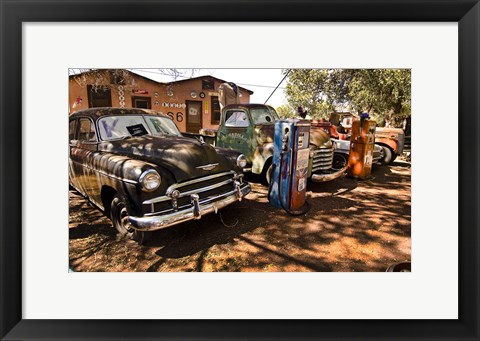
[387,142]
[261,155]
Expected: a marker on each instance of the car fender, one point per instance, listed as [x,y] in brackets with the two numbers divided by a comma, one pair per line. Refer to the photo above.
[121,173]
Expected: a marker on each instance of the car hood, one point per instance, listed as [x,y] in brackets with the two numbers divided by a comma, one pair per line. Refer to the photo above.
[183,157]
[319,138]
[382,131]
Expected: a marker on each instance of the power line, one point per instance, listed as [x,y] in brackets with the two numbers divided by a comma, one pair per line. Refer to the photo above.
[278,85]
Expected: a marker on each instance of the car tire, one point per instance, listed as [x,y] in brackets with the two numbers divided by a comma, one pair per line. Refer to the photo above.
[339,161]
[388,156]
[119,217]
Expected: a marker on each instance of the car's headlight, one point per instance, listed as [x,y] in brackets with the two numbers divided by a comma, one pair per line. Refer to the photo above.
[150,180]
[241,161]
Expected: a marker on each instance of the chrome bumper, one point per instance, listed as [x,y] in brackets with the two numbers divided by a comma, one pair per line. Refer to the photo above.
[195,211]
[328,176]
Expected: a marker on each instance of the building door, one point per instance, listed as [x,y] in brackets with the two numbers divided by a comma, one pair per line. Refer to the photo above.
[194,116]
[141,102]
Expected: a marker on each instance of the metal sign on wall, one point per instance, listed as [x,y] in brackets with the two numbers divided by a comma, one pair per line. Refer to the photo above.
[174,105]
[139,92]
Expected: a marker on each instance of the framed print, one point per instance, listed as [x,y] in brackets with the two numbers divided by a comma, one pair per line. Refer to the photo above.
[41,40]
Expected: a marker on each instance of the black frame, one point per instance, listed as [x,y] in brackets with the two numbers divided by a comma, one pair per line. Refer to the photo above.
[13,13]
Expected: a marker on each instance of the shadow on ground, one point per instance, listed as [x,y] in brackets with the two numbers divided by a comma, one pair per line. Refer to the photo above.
[352,225]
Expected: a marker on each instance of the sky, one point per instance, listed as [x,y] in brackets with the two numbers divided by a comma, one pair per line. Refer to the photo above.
[261,81]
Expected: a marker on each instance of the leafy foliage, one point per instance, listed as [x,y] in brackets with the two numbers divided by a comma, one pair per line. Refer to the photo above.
[101,79]
[384,93]
[285,111]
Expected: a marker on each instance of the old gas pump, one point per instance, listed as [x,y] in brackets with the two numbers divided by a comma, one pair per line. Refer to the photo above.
[362,142]
[288,184]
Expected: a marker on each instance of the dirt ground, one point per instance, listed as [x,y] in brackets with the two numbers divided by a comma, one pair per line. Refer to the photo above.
[352,225]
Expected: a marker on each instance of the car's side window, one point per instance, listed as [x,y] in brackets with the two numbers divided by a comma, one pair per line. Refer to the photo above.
[72,130]
[236,119]
[87,131]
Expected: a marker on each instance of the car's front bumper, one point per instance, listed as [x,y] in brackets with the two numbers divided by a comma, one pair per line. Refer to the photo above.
[195,211]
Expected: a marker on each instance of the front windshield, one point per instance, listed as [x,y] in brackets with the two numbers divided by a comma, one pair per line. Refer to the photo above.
[263,115]
[118,127]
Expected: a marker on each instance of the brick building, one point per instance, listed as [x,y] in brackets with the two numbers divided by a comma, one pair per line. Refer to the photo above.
[191,103]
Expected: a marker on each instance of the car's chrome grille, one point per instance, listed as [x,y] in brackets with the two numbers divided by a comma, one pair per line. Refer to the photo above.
[322,159]
[208,188]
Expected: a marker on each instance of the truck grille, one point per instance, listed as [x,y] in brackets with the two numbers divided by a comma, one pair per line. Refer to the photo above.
[322,159]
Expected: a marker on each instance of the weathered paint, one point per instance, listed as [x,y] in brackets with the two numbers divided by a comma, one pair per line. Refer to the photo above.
[118,164]
[391,137]
[256,141]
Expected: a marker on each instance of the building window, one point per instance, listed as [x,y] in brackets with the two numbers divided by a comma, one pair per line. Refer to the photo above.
[215,110]
[207,84]
[99,97]
[142,102]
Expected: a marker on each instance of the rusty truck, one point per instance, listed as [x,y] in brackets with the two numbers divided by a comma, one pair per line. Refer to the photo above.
[249,129]
[392,140]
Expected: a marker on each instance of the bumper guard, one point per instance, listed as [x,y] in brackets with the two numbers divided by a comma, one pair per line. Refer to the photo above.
[194,212]
[328,176]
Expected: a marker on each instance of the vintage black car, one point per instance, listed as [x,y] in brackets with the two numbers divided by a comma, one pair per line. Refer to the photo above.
[136,167]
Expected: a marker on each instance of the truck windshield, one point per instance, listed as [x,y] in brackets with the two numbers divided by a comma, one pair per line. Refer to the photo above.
[263,115]
[118,127]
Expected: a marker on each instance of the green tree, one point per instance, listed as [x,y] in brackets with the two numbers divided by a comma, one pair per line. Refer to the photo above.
[285,111]
[306,88]
[384,93]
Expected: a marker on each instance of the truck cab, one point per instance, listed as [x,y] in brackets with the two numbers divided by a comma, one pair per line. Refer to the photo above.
[249,130]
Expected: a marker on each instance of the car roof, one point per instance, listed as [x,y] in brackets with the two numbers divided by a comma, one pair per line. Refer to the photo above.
[95,113]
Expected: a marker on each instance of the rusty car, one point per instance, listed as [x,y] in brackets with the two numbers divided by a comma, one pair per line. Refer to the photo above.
[136,167]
